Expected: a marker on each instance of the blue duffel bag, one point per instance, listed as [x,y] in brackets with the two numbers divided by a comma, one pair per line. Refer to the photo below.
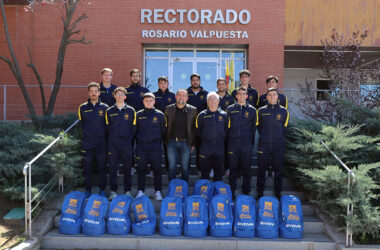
[171,216]
[72,213]
[267,218]
[195,216]
[291,221]
[145,217]
[221,218]
[244,216]
[94,222]
[118,221]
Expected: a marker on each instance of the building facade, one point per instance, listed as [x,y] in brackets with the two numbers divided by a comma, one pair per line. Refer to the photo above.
[176,38]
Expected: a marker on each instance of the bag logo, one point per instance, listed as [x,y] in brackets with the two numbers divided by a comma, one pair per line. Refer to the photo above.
[178,191]
[278,117]
[292,208]
[268,205]
[222,191]
[139,208]
[73,203]
[245,208]
[220,207]
[203,189]
[195,205]
[96,204]
[171,206]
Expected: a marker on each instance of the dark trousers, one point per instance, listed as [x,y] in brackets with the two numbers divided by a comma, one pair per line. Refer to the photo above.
[99,154]
[210,161]
[143,158]
[120,153]
[270,154]
[240,159]
[181,149]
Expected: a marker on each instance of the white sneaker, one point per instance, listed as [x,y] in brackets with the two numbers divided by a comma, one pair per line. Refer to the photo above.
[212,173]
[112,196]
[140,193]
[158,196]
[133,171]
[227,173]
[128,193]
[150,173]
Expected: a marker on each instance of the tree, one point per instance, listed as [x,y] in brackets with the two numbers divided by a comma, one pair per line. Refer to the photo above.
[347,70]
[69,34]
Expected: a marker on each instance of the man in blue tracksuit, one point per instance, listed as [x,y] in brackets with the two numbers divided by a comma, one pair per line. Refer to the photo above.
[150,131]
[272,82]
[272,126]
[121,126]
[107,88]
[92,117]
[163,96]
[253,95]
[212,126]
[197,95]
[135,92]
[241,138]
[225,98]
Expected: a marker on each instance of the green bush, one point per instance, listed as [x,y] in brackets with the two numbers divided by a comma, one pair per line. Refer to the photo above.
[317,172]
[21,142]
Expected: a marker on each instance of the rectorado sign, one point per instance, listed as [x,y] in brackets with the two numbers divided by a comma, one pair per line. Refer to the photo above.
[193,16]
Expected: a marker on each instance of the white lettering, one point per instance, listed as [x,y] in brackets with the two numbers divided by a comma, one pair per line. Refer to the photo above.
[189,16]
[166,16]
[218,17]
[245,34]
[181,12]
[222,223]
[170,222]
[144,33]
[91,221]
[245,224]
[146,14]
[117,219]
[206,14]
[195,222]
[247,17]
[228,16]
[157,16]
[68,220]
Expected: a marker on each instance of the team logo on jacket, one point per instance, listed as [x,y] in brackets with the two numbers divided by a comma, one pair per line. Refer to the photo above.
[220,118]
[154,119]
[169,99]
[141,94]
[101,112]
[250,97]
[246,114]
[201,97]
[278,117]
[227,102]
[126,117]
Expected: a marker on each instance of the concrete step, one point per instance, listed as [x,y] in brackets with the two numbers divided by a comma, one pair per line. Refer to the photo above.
[311,223]
[269,182]
[54,240]
[150,191]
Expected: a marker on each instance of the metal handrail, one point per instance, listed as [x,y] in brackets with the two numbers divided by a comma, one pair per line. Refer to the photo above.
[350,205]
[28,183]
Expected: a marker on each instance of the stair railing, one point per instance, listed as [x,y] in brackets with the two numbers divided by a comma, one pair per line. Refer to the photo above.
[43,193]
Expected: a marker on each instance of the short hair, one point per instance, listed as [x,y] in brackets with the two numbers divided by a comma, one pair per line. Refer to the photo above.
[221,79]
[211,94]
[134,71]
[106,70]
[272,89]
[243,89]
[148,95]
[244,72]
[162,78]
[120,89]
[270,78]
[184,90]
[195,75]
[93,84]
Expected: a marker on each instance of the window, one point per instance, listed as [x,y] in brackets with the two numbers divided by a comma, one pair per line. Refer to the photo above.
[179,64]
[323,88]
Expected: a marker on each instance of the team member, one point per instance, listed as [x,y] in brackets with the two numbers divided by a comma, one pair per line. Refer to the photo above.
[272,82]
[197,95]
[163,96]
[212,126]
[180,137]
[107,88]
[121,124]
[92,117]
[245,80]
[241,138]
[225,99]
[272,126]
[151,129]
[135,92]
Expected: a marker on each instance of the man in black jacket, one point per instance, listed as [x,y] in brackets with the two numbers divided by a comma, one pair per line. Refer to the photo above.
[180,136]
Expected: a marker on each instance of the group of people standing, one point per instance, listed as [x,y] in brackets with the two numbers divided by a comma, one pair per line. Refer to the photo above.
[219,126]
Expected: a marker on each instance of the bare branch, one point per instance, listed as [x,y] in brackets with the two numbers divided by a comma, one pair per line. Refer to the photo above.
[73,33]
[78,20]
[39,80]
[82,41]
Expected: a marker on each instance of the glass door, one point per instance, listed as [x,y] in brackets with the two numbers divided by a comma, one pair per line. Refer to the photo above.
[208,70]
